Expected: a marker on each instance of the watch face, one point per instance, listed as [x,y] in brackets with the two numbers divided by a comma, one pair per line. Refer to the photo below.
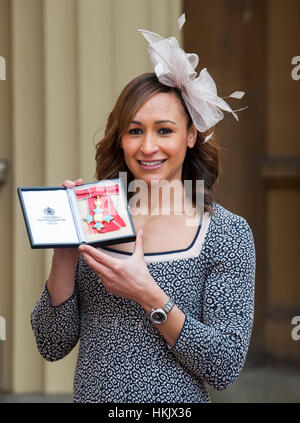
[158,316]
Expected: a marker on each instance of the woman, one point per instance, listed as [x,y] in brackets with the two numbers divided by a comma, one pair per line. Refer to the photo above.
[201,276]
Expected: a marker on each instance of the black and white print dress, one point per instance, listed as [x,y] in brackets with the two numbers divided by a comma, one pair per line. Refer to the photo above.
[124,358]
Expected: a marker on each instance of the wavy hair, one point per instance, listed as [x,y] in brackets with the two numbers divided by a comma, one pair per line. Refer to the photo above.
[202,162]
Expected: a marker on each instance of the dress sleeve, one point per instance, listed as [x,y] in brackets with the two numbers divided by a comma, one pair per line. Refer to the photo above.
[56,328]
[216,347]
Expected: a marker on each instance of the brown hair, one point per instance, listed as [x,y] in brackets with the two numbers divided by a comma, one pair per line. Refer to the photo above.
[202,162]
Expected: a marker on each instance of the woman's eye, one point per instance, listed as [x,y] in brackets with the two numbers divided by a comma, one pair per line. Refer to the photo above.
[138,131]
[165,131]
[135,131]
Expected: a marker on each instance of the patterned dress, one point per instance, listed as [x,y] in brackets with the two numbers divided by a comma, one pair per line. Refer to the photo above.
[124,358]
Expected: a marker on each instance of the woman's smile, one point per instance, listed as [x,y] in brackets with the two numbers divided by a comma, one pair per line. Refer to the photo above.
[151,164]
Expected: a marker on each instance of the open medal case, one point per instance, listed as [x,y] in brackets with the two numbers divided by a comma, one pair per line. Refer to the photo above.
[95,213]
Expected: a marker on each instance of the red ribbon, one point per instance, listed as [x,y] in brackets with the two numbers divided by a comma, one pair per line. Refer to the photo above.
[94,191]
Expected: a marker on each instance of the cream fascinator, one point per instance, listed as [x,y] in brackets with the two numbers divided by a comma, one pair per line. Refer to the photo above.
[176,68]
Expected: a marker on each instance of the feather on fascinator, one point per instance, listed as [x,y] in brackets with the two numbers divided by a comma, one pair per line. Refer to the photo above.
[176,68]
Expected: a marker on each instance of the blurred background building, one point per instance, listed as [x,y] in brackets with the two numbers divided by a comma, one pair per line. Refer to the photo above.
[66,62]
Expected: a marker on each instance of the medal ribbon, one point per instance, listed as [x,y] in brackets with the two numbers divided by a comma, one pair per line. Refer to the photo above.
[94,191]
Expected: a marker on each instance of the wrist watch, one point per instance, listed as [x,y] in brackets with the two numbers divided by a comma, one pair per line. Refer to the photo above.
[159,315]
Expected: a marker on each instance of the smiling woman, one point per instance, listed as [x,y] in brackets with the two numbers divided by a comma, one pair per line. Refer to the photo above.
[153,144]
[147,107]
[159,317]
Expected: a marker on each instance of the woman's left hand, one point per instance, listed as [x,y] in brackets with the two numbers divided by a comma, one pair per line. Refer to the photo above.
[128,278]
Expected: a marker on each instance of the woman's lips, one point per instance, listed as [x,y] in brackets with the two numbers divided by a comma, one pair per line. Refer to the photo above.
[153,164]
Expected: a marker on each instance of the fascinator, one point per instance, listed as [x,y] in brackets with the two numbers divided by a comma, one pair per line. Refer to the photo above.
[176,68]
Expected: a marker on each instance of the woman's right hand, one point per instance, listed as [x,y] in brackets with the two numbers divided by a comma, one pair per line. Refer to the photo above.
[61,281]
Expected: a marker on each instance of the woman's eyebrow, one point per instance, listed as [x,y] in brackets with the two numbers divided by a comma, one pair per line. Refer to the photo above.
[158,122]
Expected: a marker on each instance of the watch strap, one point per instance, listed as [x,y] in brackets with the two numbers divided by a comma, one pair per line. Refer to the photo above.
[168,307]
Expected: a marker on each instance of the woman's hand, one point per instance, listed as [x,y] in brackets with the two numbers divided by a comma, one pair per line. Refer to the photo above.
[127,278]
[130,278]
[71,184]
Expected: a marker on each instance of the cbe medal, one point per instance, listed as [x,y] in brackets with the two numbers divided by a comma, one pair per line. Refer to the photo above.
[102,216]
[98,217]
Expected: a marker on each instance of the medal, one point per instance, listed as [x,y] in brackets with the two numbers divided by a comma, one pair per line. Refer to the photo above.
[102,216]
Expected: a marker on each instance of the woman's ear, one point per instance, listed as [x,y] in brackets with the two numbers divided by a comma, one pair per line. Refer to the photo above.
[192,136]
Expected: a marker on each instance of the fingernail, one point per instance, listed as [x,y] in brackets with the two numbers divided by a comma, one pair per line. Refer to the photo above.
[81,248]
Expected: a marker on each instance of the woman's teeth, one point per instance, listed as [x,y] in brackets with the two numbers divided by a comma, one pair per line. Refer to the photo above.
[151,163]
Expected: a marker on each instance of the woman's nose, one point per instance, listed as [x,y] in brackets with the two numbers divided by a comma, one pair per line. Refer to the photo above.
[149,144]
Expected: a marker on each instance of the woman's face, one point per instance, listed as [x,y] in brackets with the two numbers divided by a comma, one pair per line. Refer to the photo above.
[156,140]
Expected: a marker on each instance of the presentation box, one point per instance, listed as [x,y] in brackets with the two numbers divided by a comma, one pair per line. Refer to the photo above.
[95,213]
